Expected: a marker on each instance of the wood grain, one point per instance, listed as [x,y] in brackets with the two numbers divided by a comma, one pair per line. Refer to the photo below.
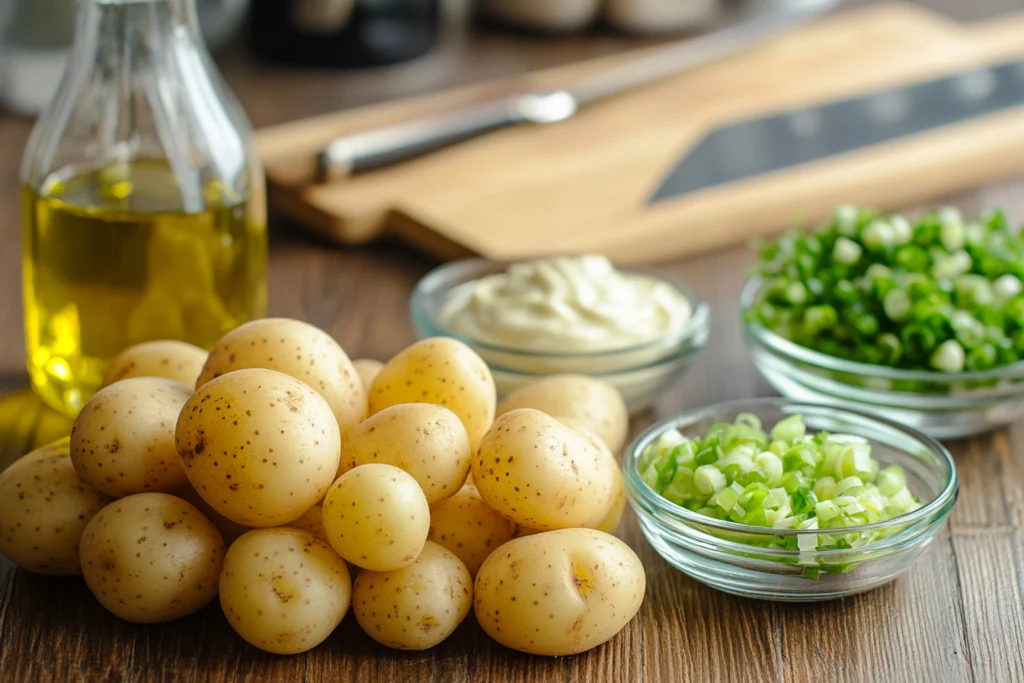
[957,616]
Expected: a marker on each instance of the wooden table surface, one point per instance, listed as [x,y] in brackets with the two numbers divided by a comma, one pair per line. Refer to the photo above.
[956,616]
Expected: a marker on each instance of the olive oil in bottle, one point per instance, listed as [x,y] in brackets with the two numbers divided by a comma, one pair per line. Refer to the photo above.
[111,259]
[143,205]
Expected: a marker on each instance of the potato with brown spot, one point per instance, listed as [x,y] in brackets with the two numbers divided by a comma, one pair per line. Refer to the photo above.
[377,517]
[123,440]
[151,557]
[367,369]
[283,590]
[427,441]
[259,446]
[167,358]
[442,371]
[468,527]
[415,607]
[44,507]
[295,348]
[559,592]
[539,473]
[591,403]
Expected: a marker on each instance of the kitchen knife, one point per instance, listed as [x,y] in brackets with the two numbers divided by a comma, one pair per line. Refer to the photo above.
[758,146]
[385,146]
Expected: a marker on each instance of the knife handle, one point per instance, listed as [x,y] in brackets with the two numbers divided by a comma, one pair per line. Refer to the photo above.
[359,152]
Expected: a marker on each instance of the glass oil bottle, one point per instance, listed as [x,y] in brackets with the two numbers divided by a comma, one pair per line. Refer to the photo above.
[143,205]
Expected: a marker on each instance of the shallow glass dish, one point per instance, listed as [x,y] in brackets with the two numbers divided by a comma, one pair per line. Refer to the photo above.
[640,372]
[942,405]
[699,545]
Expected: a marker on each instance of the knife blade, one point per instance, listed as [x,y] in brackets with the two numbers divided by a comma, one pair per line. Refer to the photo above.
[381,147]
[761,145]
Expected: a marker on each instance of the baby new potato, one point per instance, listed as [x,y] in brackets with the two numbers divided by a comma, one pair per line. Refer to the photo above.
[467,526]
[123,440]
[415,607]
[367,369]
[44,506]
[167,358]
[426,440]
[295,348]
[589,402]
[541,474]
[560,592]
[151,557]
[376,517]
[444,371]
[259,446]
[283,590]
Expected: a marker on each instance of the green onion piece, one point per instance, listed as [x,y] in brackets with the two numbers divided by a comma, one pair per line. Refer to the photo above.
[796,293]
[707,456]
[726,498]
[684,454]
[846,251]
[818,319]
[770,466]
[902,229]
[897,305]
[952,235]
[825,488]
[949,357]
[890,346]
[900,503]
[708,479]
[878,235]
[793,481]
[846,220]
[826,510]
[1008,286]
[891,480]
[790,429]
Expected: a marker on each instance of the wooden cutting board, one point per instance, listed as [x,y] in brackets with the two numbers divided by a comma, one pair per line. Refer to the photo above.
[583,185]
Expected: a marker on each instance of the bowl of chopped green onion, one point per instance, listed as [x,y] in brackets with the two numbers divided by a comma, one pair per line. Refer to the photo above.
[776,499]
[922,321]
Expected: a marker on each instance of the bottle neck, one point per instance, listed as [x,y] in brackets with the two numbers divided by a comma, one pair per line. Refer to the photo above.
[124,22]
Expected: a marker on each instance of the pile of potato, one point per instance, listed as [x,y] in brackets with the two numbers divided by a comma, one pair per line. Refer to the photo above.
[288,468]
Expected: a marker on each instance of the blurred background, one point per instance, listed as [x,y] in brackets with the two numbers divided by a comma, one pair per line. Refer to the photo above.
[287,59]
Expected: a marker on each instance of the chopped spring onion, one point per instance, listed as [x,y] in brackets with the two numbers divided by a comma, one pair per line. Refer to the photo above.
[883,290]
[783,479]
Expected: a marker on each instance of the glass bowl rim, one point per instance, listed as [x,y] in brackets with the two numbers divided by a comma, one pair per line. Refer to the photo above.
[942,502]
[437,280]
[793,351]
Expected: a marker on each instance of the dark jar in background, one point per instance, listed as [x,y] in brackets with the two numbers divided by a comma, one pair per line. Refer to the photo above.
[344,33]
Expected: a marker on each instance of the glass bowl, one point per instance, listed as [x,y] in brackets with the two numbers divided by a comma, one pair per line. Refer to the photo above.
[640,372]
[942,405]
[699,545]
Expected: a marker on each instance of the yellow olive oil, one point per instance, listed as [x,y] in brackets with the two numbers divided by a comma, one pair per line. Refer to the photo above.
[111,258]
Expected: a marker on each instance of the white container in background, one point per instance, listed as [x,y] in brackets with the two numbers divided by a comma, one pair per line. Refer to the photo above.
[544,15]
[660,16]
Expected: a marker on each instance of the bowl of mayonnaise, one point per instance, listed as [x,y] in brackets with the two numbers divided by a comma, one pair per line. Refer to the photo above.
[566,314]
